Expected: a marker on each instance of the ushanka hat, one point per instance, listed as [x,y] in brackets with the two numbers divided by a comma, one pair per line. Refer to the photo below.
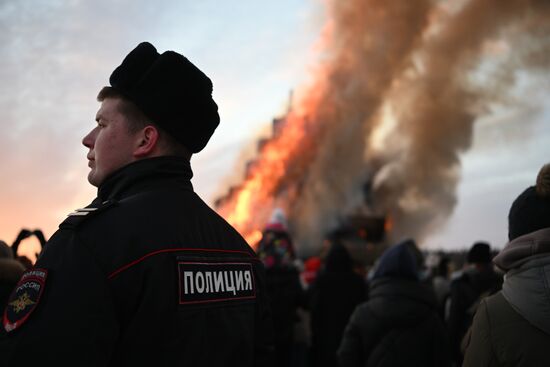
[171,91]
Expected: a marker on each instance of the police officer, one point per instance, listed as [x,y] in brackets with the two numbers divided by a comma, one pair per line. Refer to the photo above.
[147,274]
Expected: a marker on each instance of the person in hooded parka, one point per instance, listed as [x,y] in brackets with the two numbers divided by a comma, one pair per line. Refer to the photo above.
[398,325]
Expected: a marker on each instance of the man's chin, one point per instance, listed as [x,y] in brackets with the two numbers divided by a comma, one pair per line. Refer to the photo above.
[93,179]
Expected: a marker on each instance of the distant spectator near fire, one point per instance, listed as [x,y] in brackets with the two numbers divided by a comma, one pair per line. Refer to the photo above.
[476,282]
[333,297]
[285,293]
[442,284]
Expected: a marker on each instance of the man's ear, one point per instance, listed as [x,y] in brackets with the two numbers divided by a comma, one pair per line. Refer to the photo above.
[147,142]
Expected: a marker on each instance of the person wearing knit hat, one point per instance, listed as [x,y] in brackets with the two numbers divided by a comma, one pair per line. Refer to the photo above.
[147,273]
[512,327]
[531,209]
[276,250]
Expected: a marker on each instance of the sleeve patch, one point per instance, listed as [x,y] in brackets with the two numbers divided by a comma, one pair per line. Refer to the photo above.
[214,282]
[24,298]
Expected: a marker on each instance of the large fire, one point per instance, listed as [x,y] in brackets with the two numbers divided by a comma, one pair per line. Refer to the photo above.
[249,205]
[392,103]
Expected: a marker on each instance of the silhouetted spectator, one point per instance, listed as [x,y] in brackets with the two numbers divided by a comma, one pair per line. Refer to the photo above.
[283,284]
[333,297]
[10,272]
[302,330]
[442,284]
[512,327]
[477,281]
[24,234]
[398,325]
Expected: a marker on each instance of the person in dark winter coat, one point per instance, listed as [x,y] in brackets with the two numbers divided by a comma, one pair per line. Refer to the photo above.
[476,282]
[399,324]
[333,297]
[284,289]
[512,327]
[147,274]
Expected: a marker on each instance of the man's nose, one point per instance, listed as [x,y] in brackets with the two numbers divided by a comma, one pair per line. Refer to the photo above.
[89,139]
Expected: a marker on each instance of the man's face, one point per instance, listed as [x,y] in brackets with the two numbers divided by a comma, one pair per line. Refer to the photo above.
[111,144]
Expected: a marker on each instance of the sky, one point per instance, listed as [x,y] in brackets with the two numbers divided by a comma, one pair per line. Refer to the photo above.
[56,55]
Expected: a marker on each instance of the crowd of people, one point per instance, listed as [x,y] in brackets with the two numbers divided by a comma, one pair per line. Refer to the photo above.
[396,314]
[148,274]
[491,311]
[328,311]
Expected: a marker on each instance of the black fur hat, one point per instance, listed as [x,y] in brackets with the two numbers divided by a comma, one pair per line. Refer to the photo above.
[171,91]
[531,210]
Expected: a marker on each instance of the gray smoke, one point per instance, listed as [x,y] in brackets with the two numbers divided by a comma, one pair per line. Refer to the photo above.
[415,61]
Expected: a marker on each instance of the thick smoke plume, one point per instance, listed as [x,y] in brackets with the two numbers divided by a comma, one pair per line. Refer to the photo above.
[393,105]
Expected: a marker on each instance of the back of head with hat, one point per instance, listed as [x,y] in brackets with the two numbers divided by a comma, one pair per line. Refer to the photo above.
[479,253]
[171,91]
[278,221]
[531,210]
[398,262]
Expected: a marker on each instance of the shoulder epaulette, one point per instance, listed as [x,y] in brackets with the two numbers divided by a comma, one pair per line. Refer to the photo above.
[80,215]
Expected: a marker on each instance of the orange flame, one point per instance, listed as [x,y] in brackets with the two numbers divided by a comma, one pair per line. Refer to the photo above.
[246,210]
[281,161]
[253,238]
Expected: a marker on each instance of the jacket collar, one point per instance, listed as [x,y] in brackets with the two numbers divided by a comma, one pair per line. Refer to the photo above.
[147,174]
[526,261]
[524,248]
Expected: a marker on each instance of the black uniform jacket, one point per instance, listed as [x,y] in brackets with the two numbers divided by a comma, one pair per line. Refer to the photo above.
[147,274]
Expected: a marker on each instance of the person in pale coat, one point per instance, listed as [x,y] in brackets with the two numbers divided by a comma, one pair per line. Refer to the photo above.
[512,327]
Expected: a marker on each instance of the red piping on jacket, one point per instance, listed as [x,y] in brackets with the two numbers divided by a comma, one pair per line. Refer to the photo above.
[129,265]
